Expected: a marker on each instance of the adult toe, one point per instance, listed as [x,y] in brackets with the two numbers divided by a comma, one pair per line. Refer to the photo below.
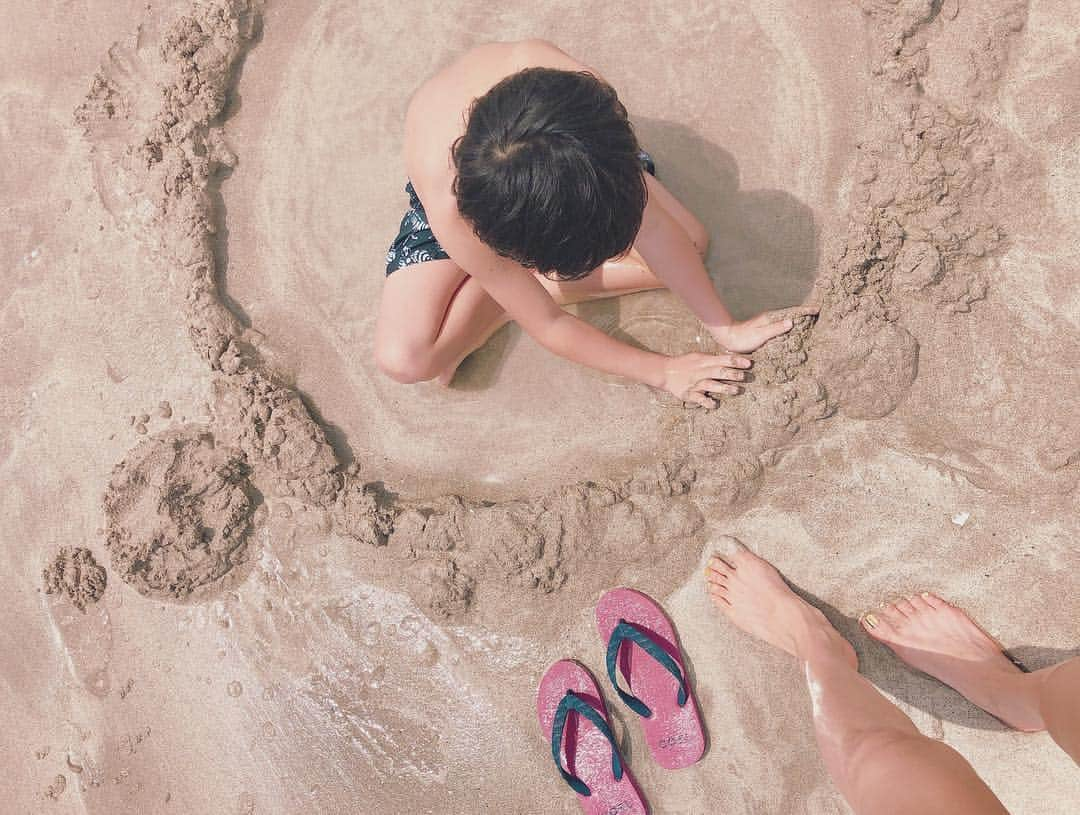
[729,549]
[716,577]
[933,600]
[719,594]
[919,603]
[718,566]
[906,607]
[877,625]
[892,614]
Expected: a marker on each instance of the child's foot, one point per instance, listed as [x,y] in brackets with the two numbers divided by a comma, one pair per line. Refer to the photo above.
[941,640]
[754,596]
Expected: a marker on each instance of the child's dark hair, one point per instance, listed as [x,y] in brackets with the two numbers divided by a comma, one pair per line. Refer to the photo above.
[548,173]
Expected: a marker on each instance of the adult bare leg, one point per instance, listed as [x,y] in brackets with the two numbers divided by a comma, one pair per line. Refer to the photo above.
[938,638]
[1059,704]
[878,759]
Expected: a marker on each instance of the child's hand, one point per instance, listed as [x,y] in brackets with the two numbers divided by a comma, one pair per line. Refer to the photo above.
[749,335]
[692,377]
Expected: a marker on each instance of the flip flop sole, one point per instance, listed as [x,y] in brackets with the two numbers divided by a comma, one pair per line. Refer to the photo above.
[586,752]
[674,734]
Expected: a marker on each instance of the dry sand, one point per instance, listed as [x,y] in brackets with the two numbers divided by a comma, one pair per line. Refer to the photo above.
[328,592]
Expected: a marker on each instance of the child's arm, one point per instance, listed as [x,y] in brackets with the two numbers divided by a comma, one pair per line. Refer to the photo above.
[689,377]
[671,255]
[669,252]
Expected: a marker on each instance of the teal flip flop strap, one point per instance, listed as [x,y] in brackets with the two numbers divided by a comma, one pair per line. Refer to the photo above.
[572,702]
[623,632]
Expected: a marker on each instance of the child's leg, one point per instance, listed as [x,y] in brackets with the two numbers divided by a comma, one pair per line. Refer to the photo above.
[624,275]
[694,228]
[432,314]
[941,640]
[878,759]
[412,309]
[472,316]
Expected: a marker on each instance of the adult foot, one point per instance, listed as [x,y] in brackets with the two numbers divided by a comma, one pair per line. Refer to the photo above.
[939,639]
[752,594]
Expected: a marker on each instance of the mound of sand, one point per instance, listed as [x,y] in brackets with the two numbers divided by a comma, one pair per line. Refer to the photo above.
[178,513]
[74,572]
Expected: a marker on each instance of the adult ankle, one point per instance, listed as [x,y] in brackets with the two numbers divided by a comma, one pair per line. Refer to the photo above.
[817,642]
[1028,687]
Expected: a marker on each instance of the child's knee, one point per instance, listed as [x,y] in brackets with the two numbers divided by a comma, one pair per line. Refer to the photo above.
[402,362]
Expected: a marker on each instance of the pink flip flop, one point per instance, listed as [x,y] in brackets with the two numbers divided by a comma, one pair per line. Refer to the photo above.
[641,641]
[574,719]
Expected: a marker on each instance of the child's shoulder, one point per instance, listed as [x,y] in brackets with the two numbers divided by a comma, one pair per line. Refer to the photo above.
[467,75]
[471,74]
[436,111]
[435,114]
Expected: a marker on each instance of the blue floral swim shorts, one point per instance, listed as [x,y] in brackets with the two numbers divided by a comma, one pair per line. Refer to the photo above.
[415,242]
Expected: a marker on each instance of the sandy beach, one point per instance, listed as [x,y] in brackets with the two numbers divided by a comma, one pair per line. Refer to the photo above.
[246,573]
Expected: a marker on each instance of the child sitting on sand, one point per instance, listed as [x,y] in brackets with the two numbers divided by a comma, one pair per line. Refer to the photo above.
[544,199]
